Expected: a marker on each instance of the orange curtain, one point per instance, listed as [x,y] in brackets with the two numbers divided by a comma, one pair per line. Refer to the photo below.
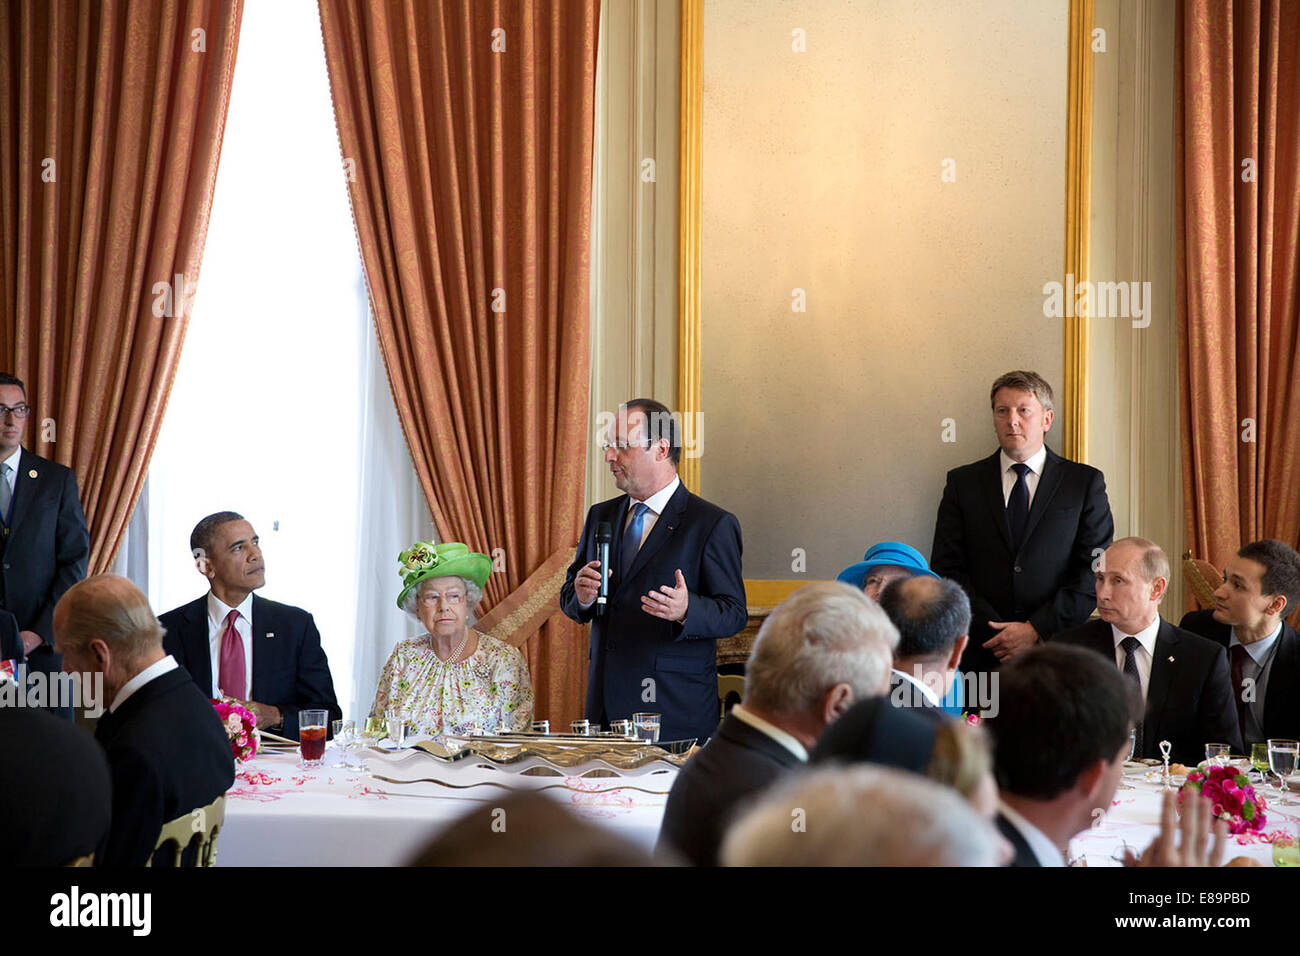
[467,130]
[1238,183]
[111,113]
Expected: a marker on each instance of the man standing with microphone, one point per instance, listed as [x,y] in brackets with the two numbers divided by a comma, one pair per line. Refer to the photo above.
[670,578]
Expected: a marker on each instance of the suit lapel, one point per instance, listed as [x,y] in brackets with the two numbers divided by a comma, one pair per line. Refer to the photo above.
[663,530]
[1048,483]
[1286,660]
[259,628]
[1163,663]
[24,488]
[991,489]
[197,645]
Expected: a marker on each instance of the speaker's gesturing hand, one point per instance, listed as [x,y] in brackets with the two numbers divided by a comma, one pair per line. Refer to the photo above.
[669,603]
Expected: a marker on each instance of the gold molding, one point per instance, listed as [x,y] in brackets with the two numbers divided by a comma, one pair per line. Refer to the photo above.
[688,243]
[761,592]
[1078,209]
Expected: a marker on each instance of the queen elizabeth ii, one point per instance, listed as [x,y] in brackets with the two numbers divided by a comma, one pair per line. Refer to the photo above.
[452,679]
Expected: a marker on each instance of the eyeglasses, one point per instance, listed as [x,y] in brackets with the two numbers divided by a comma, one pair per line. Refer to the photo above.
[622,446]
[18,411]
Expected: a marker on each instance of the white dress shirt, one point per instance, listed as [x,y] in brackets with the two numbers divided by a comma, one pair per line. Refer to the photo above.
[1144,654]
[1035,463]
[154,670]
[786,740]
[656,503]
[217,612]
[1039,843]
[926,691]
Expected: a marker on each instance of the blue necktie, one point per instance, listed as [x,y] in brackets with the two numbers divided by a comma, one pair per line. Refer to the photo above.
[632,538]
[1018,504]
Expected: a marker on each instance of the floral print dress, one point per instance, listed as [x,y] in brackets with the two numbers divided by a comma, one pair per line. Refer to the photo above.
[487,691]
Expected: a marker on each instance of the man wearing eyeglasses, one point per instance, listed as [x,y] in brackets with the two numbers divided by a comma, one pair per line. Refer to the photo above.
[43,540]
[675,585]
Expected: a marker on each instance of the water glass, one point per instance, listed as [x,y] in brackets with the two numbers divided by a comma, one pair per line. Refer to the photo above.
[311,737]
[580,727]
[541,726]
[646,727]
[396,726]
[1282,759]
[621,727]
[1216,755]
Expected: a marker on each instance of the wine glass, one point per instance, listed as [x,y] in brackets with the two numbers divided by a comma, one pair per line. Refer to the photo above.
[1216,755]
[1132,744]
[1282,759]
[1259,758]
[344,731]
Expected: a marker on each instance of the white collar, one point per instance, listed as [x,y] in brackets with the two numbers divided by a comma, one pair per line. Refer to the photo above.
[1035,461]
[1258,650]
[219,610]
[1039,844]
[659,500]
[1146,637]
[156,669]
[928,693]
[12,460]
[776,733]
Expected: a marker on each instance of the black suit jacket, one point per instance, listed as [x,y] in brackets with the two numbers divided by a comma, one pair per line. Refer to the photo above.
[1189,695]
[11,642]
[56,795]
[1047,581]
[875,731]
[290,670]
[629,647]
[716,784]
[44,554]
[1024,853]
[168,755]
[1282,699]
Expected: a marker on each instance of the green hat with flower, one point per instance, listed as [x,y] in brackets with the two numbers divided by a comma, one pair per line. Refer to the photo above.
[424,560]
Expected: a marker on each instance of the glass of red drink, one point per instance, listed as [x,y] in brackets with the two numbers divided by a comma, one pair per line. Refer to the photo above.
[311,737]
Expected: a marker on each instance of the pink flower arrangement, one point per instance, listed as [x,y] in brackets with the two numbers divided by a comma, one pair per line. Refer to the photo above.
[973,718]
[240,726]
[1231,794]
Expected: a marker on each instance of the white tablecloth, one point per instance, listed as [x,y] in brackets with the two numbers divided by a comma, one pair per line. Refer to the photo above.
[1134,819]
[280,815]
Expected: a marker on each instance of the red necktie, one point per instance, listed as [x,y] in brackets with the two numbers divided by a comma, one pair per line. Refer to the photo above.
[231,676]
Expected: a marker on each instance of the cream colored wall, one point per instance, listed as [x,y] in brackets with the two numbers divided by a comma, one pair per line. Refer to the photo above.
[1133,428]
[823,430]
[634,221]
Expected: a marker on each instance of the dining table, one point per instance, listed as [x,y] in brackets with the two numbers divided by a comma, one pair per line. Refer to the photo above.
[1132,821]
[389,803]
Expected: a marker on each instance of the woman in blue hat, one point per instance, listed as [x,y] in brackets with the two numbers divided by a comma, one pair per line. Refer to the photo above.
[453,679]
[883,563]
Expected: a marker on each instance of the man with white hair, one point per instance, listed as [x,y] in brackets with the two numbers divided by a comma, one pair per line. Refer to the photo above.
[167,751]
[822,648]
[862,815]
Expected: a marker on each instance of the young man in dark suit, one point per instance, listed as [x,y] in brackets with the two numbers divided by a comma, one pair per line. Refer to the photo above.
[167,750]
[266,655]
[1261,586]
[1020,530]
[1181,677]
[675,584]
[44,544]
[821,649]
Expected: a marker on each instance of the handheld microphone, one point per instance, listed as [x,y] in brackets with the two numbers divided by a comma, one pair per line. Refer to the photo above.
[604,535]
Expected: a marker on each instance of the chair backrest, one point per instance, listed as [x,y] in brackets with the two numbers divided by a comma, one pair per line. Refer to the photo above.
[202,826]
[730,685]
[1203,578]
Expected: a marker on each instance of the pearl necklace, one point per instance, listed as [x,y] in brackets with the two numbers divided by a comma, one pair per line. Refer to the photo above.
[454,654]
